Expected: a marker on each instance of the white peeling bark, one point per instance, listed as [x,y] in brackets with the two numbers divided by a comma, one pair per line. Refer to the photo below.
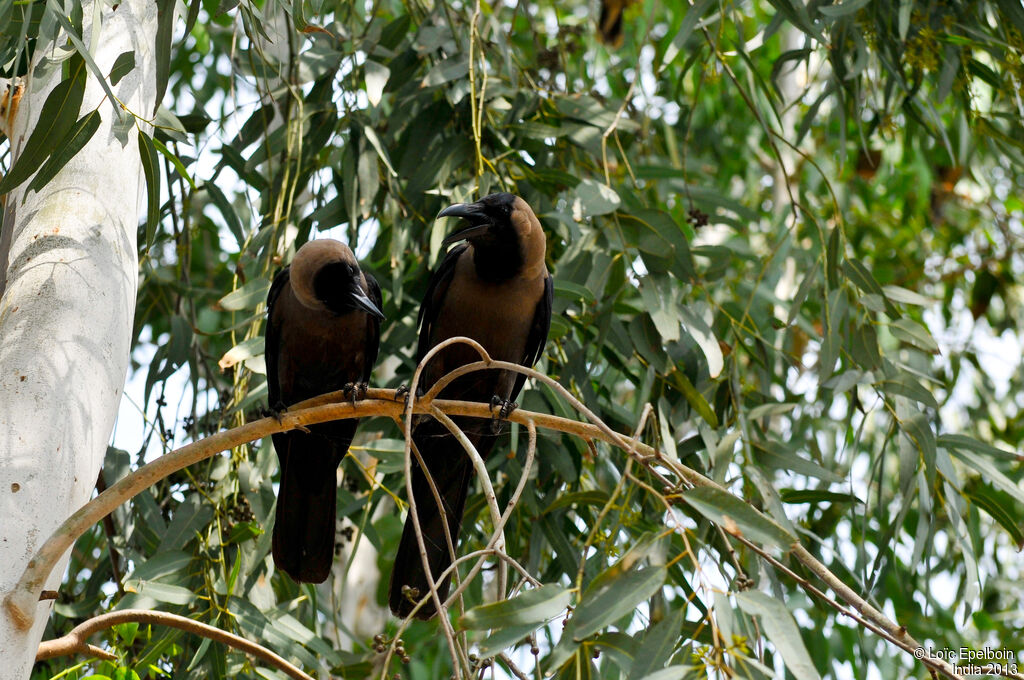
[68,279]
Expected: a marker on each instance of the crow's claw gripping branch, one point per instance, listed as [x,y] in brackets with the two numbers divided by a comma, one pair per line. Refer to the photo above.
[355,391]
[504,408]
[274,411]
[403,393]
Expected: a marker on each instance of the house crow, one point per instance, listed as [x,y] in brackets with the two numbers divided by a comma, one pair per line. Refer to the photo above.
[495,289]
[323,331]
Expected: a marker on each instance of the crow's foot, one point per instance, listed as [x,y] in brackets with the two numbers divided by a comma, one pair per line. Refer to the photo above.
[355,391]
[274,411]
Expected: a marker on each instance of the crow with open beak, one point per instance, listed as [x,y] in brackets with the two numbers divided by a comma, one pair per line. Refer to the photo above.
[494,287]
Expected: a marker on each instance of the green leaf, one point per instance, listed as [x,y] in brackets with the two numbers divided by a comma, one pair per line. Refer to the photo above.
[833,256]
[247,349]
[700,331]
[161,592]
[504,638]
[658,645]
[73,34]
[838,308]
[532,606]
[376,78]
[1000,507]
[863,279]
[662,307]
[191,515]
[241,532]
[592,497]
[227,211]
[256,625]
[193,14]
[801,294]
[247,297]
[235,570]
[843,9]
[620,647]
[123,65]
[127,631]
[162,49]
[863,346]
[175,161]
[694,398]
[57,117]
[661,241]
[737,517]
[914,333]
[774,454]
[200,654]
[76,138]
[670,673]
[960,441]
[906,386]
[768,410]
[613,595]
[918,429]
[445,71]
[906,297]
[816,496]
[781,629]
[166,563]
[990,473]
[594,198]
[693,14]
[573,291]
[298,16]
[371,136]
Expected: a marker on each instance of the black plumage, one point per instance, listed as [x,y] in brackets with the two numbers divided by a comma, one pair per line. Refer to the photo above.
[323,333]
[609,24]
[495,289]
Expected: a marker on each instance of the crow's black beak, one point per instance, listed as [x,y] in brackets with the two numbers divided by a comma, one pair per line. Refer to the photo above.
[472,213]
[364,303]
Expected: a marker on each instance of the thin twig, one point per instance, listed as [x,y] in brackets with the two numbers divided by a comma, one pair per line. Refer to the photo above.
[499,528]
[458,655]
[514,669]
[110,531]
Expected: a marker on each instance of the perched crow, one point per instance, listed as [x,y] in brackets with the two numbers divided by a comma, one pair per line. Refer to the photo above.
[495,289]
[323,332]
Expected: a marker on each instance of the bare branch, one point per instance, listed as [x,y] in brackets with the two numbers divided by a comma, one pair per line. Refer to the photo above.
[75,641]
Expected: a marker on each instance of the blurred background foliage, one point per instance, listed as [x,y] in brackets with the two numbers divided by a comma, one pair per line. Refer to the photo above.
[792,228]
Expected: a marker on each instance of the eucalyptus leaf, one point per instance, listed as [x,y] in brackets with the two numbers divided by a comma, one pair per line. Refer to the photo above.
[247,296]
[617,594]
[531,607]
[781,629]
[736,517]
[75,139]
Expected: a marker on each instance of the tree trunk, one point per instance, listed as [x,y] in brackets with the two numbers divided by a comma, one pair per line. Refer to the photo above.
[68,277]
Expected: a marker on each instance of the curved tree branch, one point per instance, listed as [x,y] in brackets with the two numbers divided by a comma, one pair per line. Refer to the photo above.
[75,641]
